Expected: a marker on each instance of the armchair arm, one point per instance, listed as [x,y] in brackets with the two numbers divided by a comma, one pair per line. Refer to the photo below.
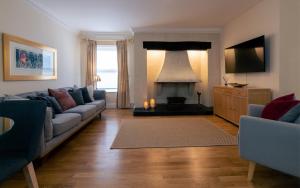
[271,143]
[99,94]
[255,110]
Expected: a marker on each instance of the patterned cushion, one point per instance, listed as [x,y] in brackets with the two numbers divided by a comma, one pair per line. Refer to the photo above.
[63,97]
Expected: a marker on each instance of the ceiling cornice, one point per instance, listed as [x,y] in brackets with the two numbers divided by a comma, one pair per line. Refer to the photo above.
[106,35]
[177,30]
[44,10]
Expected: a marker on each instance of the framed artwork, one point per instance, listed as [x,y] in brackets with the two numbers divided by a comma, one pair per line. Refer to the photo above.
[28,60]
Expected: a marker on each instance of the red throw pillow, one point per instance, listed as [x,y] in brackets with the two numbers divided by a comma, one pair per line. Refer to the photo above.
[63,97]
[288,97]
[275,109]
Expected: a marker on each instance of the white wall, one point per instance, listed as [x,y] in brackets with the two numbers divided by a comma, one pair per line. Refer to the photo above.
[19,18]
[140,62]
[263,19]
[278,20]
[290,46]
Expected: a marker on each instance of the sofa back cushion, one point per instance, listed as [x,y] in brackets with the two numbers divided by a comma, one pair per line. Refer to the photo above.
[63,97]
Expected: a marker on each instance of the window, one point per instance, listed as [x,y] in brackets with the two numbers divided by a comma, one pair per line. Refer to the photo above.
[107,67]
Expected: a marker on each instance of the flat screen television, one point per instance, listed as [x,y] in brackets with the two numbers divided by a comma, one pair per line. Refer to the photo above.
[246,57]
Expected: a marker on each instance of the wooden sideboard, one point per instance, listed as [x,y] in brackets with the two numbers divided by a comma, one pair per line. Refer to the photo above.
[230,103]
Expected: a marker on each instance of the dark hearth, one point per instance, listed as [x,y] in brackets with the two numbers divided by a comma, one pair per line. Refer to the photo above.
[165,110]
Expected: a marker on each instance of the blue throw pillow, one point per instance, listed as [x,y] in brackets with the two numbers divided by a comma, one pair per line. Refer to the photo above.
[48,102]
[76,94]
[86,96]
[297,121]
[291,115]
[56,106]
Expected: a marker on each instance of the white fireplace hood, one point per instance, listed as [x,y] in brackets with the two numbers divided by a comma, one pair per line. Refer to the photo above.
[177,69]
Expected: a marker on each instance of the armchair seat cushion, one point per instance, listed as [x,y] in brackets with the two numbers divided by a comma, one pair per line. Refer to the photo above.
[84,110]
[64,122]
[100,104]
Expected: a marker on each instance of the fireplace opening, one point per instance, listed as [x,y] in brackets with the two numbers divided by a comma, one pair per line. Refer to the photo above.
[176,100]
[175,103]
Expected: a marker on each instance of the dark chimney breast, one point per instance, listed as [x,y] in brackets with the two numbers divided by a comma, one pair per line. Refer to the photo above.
[176,46]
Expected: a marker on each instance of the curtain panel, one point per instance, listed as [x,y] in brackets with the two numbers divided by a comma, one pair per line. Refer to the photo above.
[123,83]
[91,71]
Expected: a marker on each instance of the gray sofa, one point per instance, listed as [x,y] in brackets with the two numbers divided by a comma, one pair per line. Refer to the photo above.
[64,125]
[274,144]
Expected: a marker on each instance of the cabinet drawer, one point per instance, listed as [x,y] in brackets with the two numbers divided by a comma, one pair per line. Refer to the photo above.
[227,91]
[238,92]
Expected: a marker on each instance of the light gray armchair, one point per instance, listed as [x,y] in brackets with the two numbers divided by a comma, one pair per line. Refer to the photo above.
[274,144]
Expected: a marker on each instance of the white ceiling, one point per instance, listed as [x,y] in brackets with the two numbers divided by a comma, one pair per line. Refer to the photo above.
[125,15]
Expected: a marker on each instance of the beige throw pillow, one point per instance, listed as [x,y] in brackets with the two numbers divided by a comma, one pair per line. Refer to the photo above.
[90,89]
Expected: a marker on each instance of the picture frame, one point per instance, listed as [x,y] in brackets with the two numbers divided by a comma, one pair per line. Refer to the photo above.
[27,60]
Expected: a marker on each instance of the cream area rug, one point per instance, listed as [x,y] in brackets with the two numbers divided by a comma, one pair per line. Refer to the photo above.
[170,132]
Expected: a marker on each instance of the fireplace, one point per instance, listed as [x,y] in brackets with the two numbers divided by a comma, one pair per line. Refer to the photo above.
[174,76]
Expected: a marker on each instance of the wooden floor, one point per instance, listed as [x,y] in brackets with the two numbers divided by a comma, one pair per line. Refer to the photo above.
[86,160]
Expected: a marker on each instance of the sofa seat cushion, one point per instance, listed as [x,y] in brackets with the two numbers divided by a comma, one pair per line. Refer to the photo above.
[64,122]
[100,104]
[84,110]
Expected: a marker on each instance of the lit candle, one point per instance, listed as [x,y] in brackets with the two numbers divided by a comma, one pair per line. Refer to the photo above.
[152,103]
[146,105]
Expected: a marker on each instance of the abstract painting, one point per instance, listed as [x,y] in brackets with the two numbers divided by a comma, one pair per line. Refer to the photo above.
[28,60]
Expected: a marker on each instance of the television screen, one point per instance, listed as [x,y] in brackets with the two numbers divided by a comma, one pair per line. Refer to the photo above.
[246,57]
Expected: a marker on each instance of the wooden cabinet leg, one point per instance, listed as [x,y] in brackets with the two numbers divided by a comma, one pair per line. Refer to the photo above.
[30,176]
[251,170]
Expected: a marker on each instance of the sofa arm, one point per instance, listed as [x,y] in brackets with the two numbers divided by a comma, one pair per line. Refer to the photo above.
[255,110]
[271,143]
[48,127]
[99,94]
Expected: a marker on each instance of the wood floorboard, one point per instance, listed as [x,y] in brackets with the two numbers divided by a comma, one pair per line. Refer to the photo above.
[86,160]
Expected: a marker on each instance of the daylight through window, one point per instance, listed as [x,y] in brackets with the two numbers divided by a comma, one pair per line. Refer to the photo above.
[107,67]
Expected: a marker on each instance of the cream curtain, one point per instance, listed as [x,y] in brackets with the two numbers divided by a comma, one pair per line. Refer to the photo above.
[123,83]
[91,70]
